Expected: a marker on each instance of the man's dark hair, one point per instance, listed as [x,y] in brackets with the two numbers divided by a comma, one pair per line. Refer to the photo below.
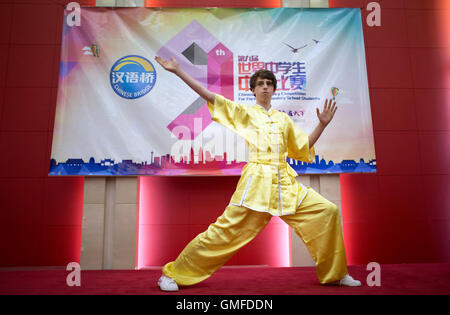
[263,74]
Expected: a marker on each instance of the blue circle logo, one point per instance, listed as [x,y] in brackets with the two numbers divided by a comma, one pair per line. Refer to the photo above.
[132,77]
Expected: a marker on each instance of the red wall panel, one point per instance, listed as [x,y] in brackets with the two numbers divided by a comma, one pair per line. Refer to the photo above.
[393,109]
[397,152]
[346,3]
[22,201]
[5,22]
[424,27]
[428,70]
[435,204]
[40,217]
[403,214]
[34,24]
[31,65]
[393,204]
[23,154]
[432,107]
[36,102]
[393,32]
[4,51]
[2,98]
[390,67]
[435,152]
[429,4]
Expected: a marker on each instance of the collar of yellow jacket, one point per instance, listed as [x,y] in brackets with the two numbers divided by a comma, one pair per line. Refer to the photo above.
[261,108]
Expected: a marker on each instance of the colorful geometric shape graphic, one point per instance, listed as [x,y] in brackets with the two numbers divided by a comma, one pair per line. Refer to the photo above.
[207,60]
[187,118]
[195,54]
[220,71]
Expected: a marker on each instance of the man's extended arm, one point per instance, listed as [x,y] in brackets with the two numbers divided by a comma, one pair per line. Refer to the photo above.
[324,119]
[175,68]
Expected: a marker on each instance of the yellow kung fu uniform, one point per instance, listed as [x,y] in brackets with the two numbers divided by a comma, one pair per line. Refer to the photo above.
[267,188]
[267,182]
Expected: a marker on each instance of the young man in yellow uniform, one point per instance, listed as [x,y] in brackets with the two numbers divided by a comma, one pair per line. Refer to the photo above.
[267,187]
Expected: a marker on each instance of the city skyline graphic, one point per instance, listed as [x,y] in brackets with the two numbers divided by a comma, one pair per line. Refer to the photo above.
[202,163]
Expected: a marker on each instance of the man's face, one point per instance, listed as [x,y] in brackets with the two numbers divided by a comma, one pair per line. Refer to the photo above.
[264,89]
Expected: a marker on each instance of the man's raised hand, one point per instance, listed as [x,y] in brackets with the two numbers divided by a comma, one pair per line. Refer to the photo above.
[327,113]
[175,68]
[171,65]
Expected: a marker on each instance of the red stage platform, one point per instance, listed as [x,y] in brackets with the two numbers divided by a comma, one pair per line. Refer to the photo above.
[405,279]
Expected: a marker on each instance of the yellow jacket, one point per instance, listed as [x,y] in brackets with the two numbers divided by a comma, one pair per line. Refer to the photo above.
[267,182]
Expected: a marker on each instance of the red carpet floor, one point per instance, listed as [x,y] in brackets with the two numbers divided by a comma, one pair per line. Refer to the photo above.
[405,279]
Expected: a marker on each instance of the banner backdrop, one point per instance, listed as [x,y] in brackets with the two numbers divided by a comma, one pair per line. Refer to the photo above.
[120,113]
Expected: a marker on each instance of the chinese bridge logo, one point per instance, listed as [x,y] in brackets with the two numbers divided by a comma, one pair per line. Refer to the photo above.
[132,77]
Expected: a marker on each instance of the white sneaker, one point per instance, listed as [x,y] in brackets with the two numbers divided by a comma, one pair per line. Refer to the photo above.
[348,281]
[167,284]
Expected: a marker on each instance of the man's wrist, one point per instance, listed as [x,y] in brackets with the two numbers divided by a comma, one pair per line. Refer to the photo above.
[177,71]
[322,125]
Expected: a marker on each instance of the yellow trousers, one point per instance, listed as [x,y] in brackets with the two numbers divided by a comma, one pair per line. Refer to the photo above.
[316,221]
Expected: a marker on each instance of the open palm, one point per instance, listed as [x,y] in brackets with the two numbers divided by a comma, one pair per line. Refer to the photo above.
[171,65]
[327,113]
